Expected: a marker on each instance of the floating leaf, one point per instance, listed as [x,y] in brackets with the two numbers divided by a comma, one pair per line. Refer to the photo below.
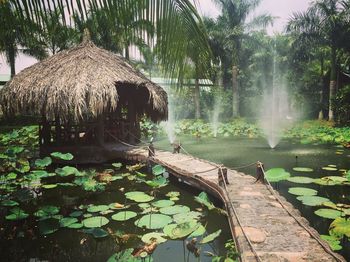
[48,226]
[125,256]
[153,221]
[117,165]
[75,226]
[97,208]
[49,186]
[327,168]
[211,237]
[300,180]
[163,203]
[172,210]
[46,161]
[303,169]
[96,232]
[158,170]
[124,215]
[185,217]
[9,203]
[17,214]
[178,231]
[153,236]
[139,196]
[67,171]
[66,221]
[47,211]
[134,167]
[198,232]
[333,242]
[302,191]
[328,213]
[276,174]
[157,182]
[11,176]
[340,227]
[312,200]
[98,221]
[22,165]
[203,199]
[61,156]
[173,194]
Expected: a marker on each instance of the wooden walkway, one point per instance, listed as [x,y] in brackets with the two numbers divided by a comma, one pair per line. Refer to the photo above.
[265,226]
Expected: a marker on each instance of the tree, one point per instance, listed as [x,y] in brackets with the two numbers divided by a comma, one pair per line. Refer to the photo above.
[233,24]
[323,23]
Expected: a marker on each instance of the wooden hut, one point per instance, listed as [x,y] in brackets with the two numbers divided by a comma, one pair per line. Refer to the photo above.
[85,97]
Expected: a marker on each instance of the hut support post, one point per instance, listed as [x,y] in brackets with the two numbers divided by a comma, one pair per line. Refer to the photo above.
[132,121]
[58,130]
[100,130]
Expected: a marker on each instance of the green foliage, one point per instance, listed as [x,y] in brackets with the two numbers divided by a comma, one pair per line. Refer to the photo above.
[203,199]
[342,108]
[277,174]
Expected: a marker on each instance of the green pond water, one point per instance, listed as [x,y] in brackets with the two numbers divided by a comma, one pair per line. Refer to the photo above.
[236,152]
[23,241]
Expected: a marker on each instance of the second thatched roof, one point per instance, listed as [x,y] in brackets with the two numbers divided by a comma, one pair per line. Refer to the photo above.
[79,83]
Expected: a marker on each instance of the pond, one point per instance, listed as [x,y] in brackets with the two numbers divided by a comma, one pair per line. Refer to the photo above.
[289,154]
[102,212]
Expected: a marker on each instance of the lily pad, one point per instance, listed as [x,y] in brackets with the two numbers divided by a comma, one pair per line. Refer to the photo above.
[153,221]
[9,203]
[97,221]
[67,171]
[153,236]
[333,242]
[46,161]
[179,231]
[172,210]
[198,232]
[47,211]
[157,182]
[124,256]
[185,217]
[163,203]
[66,221]
[328,213]
[328,168]
[17,214]
[139,196]
[48,226]
[96,232]
[98,208]
[276,174]
[61,156]
[300,180]
[340,227]
[203,199]
[158,170]
[211,237]
[302,191]
[49,186]
[303,169]
[117,165]
[75,226]
[124,215]
[312,200]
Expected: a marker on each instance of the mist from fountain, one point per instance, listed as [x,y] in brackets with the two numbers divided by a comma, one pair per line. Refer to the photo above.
[214,116]
[169,125]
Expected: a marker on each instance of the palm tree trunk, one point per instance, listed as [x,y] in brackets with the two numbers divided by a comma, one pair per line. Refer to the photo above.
[127,56]
[197,98]
[12,59]
[320,113]
[235,93]
[332,83]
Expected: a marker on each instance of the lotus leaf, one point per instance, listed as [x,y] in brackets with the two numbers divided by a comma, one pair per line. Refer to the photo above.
[75,226]
[303,169]
[97,208]
[163,203]
[125,256]
[325,182]
[87,215]
[46,161]
[300,180]
[48,226]
[276,174]
[153,236]
[67,171]
[134,167]
[47,211]
[139,174]
[114,178]
[173,194]
[66,221]
[17,214]
[203,199]
[153,221]
[49,186]
[210,237]
[117,206]
[340,227]
[327,168]
[158,170]
[22,165]
[61,156]
[9,203]
[139,196]
[11,176]
[302,191]
[40,174]
[157,182]
[185,217]
[330,204]
[198,232]
[76,213]
[117,165]
[312,200]
[176,209]
[92,222]
[178,231]
[124,215]
[333,242]
[96,232]
[328,213]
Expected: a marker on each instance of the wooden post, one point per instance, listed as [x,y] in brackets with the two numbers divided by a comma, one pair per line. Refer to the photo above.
[260,172]
[222,174]
[57,129]
[100,132]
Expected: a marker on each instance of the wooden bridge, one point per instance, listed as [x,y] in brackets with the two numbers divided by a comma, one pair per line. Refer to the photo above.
[263,224]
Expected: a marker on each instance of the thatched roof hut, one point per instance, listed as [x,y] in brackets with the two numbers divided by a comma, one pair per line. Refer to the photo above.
[84,96]
[79,83]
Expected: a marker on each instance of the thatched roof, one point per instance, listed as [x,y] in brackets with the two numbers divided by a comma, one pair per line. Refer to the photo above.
[79,83]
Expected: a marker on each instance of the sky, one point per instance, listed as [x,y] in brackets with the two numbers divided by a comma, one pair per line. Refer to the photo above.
[281,9]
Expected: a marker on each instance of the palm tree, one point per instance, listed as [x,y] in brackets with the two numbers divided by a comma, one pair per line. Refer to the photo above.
[323,23]
[233,25]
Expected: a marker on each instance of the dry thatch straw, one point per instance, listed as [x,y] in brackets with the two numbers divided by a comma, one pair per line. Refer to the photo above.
[80,83]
